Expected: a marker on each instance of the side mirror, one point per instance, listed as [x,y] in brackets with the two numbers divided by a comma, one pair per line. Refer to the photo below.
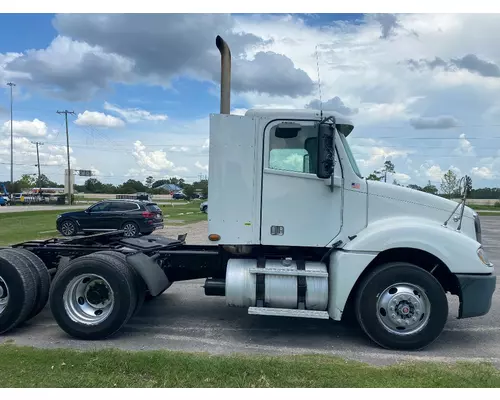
[326,146]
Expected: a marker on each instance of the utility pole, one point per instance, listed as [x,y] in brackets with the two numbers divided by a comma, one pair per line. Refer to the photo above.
[66,112]
[11,136]
[38,165]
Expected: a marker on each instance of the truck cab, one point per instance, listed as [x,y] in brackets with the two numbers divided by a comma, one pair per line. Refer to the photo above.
[309,236]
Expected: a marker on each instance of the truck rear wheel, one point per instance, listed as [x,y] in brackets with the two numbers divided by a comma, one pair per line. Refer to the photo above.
[401,306]
[139,282]
[93,297]
[18,291]
[42,279]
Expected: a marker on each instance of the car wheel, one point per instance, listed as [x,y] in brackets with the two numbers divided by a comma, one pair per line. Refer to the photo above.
[130,229]
[401,306]
[68,228]
[204,209]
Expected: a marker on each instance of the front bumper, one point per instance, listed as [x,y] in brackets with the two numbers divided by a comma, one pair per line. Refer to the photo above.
[476,292]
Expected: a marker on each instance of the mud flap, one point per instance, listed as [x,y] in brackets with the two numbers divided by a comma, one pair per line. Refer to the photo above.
[154,277]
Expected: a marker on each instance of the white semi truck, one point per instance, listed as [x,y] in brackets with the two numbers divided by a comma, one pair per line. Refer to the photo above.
[297,231]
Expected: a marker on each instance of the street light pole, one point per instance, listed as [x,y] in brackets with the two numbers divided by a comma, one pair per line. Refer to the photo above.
[11,137]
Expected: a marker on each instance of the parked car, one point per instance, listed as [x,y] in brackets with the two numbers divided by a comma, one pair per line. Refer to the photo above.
[204,207]
[134,217]
[178,196]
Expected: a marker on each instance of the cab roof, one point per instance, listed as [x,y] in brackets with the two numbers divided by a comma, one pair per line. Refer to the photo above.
[344,124]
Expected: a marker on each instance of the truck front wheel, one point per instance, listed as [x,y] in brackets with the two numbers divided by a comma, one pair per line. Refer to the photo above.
[401,306]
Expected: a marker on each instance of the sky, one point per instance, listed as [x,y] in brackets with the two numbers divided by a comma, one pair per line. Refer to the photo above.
[421,89]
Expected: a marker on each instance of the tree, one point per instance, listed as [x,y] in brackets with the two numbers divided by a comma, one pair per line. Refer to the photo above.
[27,181]
[373,176]
[46,182]
[149,182]
[378,175]
[92,185]
[188,190]
[449,183]
[131,186]
[430,188]
[158,183]
[415,187]
[387,168]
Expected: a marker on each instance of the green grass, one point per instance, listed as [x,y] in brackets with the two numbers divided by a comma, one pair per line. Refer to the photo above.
[488,213]
[17,227]
[28,367]
[188,213]
[483,207]
[29,225]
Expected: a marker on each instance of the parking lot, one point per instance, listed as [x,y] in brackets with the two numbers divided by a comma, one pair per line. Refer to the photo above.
[184,319]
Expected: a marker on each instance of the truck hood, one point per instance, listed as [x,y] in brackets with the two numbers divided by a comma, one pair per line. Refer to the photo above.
[401,200]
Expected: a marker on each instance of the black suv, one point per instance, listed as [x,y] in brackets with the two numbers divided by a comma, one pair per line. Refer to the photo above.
[134,217]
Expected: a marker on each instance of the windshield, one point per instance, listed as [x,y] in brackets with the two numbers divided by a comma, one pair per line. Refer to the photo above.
[352,160]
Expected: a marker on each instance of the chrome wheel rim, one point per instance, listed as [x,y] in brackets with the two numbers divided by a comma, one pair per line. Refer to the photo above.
[129,230]
[4,295]
[67,228]
[403,309]
[88,299]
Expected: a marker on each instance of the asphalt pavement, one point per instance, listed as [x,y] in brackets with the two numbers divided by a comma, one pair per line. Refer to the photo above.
[184,319]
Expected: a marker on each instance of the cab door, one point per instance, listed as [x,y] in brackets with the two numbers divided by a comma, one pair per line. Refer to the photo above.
[298,208]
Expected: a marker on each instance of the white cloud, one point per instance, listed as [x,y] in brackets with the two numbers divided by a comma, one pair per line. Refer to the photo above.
[153,160]
[98,119]
[483,173]
[35,128]
[135,114]
[401,178]
[435,173]
[199,165]
[179,149]
[371,154]
[25,158]
[239,111]
[464,148]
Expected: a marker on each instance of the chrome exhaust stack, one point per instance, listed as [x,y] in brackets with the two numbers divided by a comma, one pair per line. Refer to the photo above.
[225,79]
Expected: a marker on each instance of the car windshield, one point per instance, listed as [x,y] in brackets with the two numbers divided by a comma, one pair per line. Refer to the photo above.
[352,160]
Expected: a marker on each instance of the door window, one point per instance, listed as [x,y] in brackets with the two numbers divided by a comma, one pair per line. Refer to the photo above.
[292,147]
[125,206]
[104,206]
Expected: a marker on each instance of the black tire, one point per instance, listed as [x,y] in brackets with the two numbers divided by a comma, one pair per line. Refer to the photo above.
[42,278]
[68,227]
[133,227]
[386,277]
[140,284]
[204,209]
[121,281]
[19,281]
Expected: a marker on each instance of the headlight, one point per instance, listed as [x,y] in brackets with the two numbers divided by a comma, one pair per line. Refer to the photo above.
[59,216]
[483,257]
